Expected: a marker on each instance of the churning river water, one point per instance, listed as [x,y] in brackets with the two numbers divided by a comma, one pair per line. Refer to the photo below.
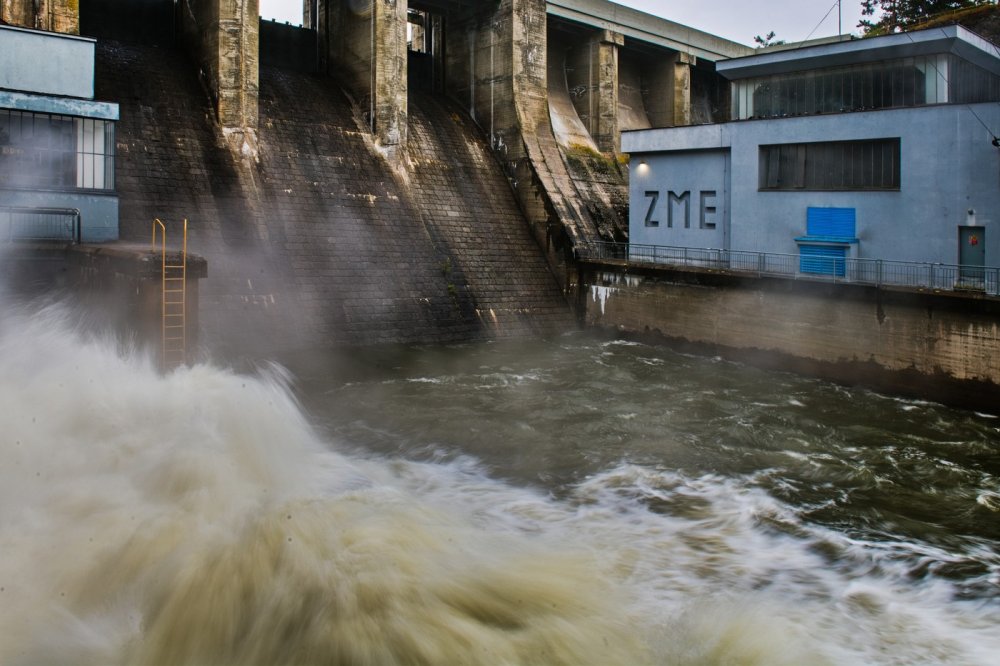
[573,501]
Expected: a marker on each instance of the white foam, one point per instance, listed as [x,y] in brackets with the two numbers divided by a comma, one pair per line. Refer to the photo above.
[198,518]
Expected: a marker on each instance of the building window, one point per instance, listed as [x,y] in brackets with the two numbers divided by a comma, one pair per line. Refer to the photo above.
[905,82]
[45,151]
[831,165]
[971,84]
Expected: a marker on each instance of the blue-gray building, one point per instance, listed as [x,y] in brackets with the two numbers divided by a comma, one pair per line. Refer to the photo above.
[57,144]
[882,148]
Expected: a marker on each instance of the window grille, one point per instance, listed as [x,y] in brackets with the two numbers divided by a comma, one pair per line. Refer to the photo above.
[46,151]
[903,82]
[831,166]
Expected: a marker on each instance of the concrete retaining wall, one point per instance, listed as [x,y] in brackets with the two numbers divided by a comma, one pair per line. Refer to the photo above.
[936,345]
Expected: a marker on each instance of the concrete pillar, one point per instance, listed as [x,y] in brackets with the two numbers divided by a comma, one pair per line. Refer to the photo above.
[365,42]
[389,85]
[319,21]
[52,15]
[437,52]
[18,12]
[528,60]
[668,102]
[238,70]
[310,14]
[682,88]
[225,35]
[604,86]
[592,78]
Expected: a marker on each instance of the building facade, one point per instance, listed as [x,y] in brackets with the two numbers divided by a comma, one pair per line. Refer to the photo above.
[883,149]
[57,144]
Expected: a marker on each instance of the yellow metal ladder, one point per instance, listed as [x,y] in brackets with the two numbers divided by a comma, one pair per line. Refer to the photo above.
[173,343]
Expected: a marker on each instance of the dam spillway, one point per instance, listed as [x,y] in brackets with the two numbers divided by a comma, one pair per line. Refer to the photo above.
[390,172]
[323,231]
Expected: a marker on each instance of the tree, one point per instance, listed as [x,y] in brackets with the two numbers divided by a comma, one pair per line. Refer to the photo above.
[767,40]
[895,15]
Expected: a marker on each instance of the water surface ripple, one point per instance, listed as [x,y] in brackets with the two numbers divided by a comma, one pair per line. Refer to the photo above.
[575,501]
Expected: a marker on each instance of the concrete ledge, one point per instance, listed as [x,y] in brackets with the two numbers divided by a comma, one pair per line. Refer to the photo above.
[937,345]
[132,259]
[948,39]
[66,106]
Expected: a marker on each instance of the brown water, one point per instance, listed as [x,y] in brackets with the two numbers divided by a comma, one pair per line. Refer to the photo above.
[578,501]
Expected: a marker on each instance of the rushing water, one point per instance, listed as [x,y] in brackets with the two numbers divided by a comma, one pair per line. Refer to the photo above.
[577,501]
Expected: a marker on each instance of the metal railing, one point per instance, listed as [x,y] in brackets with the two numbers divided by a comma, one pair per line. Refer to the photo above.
[39,224]
[876,272]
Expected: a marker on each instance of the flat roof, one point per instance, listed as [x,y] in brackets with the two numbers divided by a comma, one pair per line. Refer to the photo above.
[647,28]
[952,39]
[858,125]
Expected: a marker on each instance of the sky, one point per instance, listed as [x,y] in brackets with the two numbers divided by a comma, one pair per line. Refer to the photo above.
[738,20]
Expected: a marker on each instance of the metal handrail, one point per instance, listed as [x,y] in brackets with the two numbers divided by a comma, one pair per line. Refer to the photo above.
[875,272]
[75,231]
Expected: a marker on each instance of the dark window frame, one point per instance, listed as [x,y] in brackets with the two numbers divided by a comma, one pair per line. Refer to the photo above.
[45,151]
[868,165]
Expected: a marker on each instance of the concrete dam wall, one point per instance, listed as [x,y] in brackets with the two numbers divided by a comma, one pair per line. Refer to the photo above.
[409,171]
[322,240]
[397,171]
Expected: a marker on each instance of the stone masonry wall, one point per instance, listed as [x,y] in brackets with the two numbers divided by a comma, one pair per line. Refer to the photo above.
[468,204]
[323,242]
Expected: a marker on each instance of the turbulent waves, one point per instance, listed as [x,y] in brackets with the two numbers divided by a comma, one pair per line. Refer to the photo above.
[198,518]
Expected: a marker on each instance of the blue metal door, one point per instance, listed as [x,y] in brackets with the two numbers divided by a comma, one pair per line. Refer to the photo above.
[823,260]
